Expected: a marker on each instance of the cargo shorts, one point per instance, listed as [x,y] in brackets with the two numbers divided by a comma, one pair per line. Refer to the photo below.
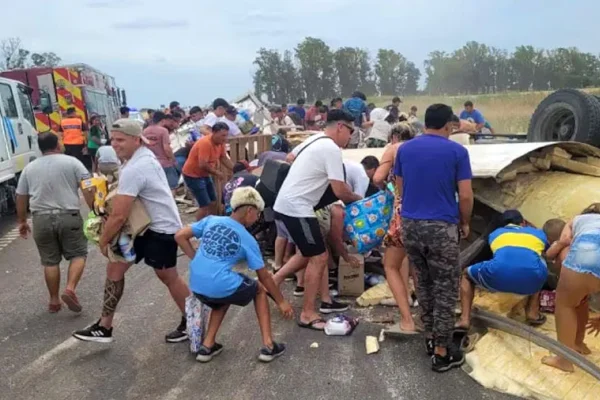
[59,236]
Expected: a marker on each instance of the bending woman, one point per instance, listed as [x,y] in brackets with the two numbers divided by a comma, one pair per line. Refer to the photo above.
[579,278]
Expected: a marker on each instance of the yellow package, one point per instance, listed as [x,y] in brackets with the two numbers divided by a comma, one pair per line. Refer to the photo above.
[100,185]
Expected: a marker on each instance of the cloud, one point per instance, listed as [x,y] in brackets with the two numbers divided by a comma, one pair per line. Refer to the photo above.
[271,32]
[258,14]
[110,3]
[151,24]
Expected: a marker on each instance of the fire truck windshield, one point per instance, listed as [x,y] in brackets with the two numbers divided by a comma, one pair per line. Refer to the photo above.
[25,100]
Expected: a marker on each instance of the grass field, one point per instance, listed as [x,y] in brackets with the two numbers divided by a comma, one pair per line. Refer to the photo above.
[507,112]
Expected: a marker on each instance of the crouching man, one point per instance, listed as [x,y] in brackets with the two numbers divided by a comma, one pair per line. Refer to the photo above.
[517,267]
[224,242]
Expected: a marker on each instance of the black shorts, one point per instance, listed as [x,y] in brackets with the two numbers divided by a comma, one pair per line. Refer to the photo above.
[306,234]
[158,250]
[76,150]
[242,296]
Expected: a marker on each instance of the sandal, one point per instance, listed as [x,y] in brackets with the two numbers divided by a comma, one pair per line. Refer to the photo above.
[541,320]
[396,330]
[311,324]
[54,308]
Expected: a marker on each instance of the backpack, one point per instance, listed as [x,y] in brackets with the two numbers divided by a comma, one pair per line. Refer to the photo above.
[274,173]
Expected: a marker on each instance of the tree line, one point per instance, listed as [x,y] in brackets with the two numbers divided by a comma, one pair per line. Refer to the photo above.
[14,56]
[314,71]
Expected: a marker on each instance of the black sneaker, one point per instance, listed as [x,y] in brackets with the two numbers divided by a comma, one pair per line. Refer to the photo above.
[299,291]
[268,355]
[333,307]
[333,275]
[205,354]
[453,359]
[179,334]
[429,347]
[94,333]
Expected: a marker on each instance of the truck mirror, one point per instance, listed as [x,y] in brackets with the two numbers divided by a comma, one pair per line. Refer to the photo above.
[46,103]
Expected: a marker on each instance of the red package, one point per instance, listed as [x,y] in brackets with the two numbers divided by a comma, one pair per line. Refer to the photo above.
[547,301]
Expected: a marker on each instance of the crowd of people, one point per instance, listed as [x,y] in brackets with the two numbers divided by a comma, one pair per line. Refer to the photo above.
[429,174]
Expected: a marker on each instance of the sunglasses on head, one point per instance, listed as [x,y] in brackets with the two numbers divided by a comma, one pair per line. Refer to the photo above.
[350,127]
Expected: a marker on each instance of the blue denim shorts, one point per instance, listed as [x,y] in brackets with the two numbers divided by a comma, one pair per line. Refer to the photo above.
[584,255]
[202,188]
[172,176]
[180,162]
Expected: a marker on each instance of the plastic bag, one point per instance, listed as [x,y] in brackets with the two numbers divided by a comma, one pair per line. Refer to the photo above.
[548,301]
[92,227]
[367,220]
[341,325]
[196,314]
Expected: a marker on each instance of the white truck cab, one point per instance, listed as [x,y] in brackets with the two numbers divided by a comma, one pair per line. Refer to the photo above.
[18,138]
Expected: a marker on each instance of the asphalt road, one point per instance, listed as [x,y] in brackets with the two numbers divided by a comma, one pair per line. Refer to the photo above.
[40,359]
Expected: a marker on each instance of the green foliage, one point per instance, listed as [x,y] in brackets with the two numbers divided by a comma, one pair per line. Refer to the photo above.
[317,72]
[476,68]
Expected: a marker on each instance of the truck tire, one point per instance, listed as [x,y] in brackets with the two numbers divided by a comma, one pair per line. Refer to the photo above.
[566,115]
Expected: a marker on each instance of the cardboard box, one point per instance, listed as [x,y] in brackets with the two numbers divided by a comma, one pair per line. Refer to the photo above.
[351,281]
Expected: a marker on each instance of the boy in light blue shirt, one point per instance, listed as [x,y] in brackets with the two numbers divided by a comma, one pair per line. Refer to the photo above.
[224,242]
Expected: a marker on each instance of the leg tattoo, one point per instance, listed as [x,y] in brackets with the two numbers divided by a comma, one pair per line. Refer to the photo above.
[113,291]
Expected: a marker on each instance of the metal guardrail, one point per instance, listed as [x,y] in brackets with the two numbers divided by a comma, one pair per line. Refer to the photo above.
[512,327]
[491,320]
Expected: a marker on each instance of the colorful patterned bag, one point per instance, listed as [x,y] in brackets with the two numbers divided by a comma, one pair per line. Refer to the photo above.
[367,220]
[197,315]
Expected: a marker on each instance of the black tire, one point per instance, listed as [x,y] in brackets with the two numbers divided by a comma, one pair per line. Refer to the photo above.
[566,115]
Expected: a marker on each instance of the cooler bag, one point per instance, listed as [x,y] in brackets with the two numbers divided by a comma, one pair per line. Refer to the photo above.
[367,220]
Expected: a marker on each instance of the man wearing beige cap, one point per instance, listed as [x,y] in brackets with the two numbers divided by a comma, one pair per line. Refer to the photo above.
[141,177]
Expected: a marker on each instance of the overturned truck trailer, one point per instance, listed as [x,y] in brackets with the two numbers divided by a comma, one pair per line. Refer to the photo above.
[542,180]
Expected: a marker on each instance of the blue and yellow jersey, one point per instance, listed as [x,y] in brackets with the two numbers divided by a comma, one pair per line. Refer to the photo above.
[514,241]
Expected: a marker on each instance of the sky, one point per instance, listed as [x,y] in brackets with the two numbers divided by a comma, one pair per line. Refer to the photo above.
[194,51]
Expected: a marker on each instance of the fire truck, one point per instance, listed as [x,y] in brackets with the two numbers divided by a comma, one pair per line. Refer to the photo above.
[54,90]
[33,100]
[18,138]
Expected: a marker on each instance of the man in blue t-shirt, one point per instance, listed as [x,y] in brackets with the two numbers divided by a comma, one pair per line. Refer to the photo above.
[517,267]
[299,109]
[430,170]
[224,242]
[475,116]
[357,106]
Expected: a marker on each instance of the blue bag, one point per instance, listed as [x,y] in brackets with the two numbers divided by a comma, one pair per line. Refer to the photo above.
[367,220]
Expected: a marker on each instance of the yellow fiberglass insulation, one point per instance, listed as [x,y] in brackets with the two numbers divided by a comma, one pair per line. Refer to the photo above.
[509,364]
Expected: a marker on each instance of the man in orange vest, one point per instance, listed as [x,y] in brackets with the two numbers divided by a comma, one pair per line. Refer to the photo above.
[74,137]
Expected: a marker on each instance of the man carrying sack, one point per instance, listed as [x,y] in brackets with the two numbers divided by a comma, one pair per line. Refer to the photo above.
[143,178]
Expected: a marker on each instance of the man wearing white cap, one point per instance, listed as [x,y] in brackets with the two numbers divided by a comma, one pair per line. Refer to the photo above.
[141,177]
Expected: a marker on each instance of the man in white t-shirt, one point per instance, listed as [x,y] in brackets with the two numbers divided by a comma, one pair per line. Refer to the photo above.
[356,177]
[219,108]
[279,120]
[143,178]
[229,119]
[317,164]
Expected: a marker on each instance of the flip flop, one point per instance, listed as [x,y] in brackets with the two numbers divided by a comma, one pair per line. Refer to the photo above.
[541,320]
[396,330]
[311,324]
